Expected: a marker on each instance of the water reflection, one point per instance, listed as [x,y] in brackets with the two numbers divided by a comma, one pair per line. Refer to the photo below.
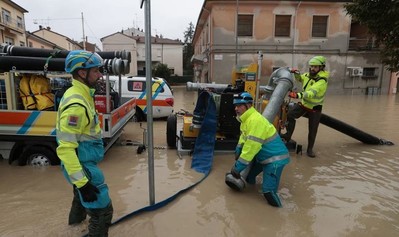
[350,189]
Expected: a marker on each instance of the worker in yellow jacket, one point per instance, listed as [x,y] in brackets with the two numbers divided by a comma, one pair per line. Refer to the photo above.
[314,87]
[80,145]
[259,148]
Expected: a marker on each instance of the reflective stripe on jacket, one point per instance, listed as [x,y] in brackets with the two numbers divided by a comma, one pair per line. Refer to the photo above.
[313,88]
[79,134]
[259,138]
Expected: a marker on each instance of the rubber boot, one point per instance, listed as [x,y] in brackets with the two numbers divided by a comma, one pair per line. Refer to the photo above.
[293,113]
[100,221]
[314,120]
[290,129]
[273,199]
[77,214]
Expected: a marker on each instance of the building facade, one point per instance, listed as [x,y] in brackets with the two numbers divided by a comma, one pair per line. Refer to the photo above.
[12,23]
[62,41]
[34,41]
[231,33]
[163,50]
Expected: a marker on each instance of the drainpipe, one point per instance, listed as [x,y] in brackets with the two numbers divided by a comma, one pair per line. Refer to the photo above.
[236,31]
[294,39]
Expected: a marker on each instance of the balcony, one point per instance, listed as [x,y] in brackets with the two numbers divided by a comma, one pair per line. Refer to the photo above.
[14,26]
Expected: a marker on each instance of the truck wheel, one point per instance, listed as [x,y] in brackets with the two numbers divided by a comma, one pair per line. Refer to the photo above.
[38,156]
[171,130]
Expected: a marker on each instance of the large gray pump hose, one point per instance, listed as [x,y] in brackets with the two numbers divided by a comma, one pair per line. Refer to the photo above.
[281,81]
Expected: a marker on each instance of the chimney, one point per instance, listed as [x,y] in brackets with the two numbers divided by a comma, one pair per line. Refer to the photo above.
[48,28]
[40,27]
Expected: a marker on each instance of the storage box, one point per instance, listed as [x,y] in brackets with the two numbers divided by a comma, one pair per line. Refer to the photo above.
[188,130]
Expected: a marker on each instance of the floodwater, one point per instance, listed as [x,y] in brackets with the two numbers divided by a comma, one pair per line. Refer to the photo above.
[350,189]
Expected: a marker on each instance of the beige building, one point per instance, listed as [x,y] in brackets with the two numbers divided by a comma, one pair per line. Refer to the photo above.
[34,41]
[12,23]
[165,51]
[60,40]
[230,33]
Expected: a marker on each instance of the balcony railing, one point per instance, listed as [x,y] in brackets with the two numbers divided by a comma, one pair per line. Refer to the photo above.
[12,23]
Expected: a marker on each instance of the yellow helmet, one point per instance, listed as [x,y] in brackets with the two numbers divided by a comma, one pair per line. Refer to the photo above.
[317,61]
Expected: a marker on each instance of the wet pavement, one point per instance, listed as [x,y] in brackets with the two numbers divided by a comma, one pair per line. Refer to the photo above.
[350,189]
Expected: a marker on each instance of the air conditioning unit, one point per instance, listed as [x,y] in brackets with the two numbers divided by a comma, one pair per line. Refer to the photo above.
[356,71]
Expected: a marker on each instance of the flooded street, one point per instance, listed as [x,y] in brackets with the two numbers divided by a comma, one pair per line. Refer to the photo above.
[350,189]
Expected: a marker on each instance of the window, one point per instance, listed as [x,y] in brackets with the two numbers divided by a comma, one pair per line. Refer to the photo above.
[140,86]
[282,26]
[21,43]
[172,71]
[245,25]
[8,40]
[3,95]
[369,72]
[6,16]
[136,86]
[319,27]
[30,44]
[19,22]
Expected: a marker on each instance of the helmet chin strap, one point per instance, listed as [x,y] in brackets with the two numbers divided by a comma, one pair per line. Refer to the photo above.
[86,78]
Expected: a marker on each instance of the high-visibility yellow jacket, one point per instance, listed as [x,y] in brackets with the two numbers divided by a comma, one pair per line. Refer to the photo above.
[80,146]
[313,88]
[259,139]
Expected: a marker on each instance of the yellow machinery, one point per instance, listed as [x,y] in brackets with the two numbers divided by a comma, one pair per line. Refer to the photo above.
[248,75]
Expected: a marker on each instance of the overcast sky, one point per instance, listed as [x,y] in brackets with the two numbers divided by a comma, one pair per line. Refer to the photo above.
[169,18]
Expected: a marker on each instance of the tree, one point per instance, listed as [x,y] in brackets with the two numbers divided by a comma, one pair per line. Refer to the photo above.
[188,49]
[161,70]
[381,17]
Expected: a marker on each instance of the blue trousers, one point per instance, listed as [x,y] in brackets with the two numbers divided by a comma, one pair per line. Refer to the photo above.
[271,175]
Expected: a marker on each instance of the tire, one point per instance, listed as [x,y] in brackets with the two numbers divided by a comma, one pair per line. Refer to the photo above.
[38,156]
[171,130]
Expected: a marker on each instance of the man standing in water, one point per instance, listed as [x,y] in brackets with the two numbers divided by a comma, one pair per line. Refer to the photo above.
[314,87]
[80,145]
[259,148]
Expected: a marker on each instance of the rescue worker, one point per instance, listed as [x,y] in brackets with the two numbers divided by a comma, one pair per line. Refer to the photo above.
[314,85]
[259,148]
[80,145]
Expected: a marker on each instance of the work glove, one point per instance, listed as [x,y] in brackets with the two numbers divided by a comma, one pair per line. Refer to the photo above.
[237,168]
[237,152]
[235,173]
[295,95]
[295,70]
[89,192]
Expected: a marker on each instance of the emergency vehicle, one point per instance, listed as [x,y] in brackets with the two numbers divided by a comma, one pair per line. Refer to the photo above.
[27,135]
[162,95]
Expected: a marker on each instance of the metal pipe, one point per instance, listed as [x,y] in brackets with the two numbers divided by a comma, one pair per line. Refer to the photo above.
[281,81]
[259,73]
[148,73]
[8,63]
[11,50]
[193,86]
[83,30]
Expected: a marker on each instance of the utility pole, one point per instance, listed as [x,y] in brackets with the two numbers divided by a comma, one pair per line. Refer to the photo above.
[150,132]
[84,37]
